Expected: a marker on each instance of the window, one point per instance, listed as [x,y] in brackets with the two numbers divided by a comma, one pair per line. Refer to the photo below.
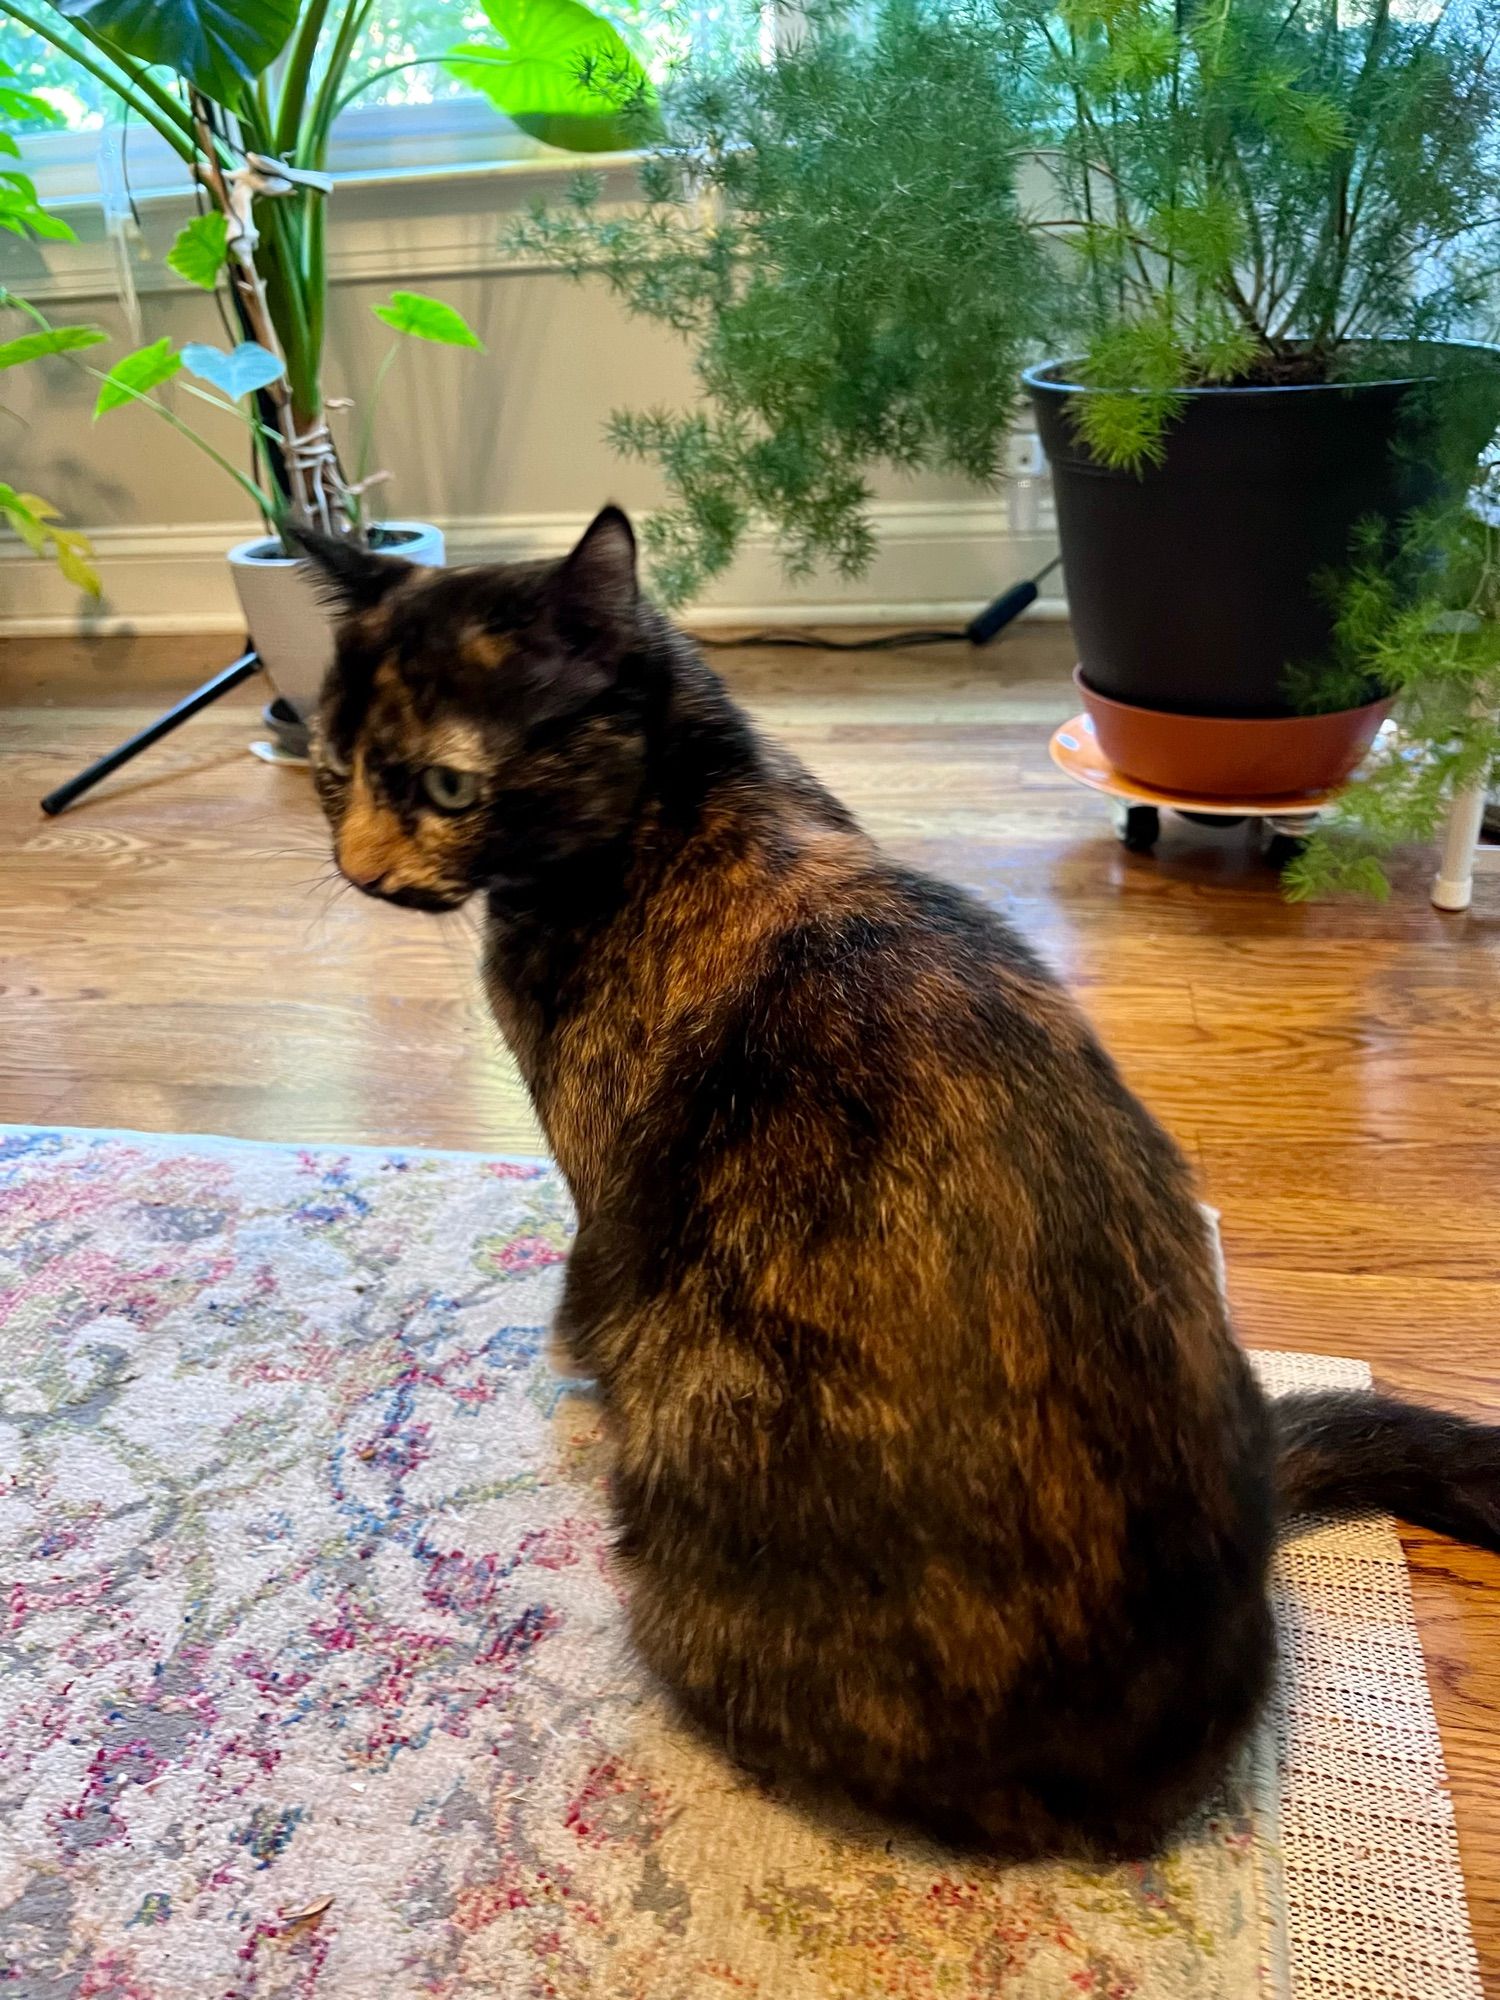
[413,117]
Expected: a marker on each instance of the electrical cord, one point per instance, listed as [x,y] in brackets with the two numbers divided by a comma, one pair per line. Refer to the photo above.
[979,631]
[887,642]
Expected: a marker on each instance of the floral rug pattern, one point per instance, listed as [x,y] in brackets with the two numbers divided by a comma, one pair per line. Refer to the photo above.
[312,1677]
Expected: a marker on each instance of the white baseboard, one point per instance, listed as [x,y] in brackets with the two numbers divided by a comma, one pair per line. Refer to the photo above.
[935,563]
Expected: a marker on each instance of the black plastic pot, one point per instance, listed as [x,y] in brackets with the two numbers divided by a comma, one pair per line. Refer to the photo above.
[1192,584]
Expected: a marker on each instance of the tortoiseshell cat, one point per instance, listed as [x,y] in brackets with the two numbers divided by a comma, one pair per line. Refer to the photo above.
[939,1475]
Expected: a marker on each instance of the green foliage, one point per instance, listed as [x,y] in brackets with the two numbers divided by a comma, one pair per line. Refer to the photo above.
[1300,194]
[1252,191]
[47,340]
[423,318]
[20,212]
[564,74]
[857,282]
[201,248]
[35,521]
[1422,625]
[135,374]
[22,106]
[223,79]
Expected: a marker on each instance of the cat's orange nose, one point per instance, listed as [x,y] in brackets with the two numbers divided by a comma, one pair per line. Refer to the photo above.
[368,879]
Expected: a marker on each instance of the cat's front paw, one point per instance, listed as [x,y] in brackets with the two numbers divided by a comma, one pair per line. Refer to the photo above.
[560,1355]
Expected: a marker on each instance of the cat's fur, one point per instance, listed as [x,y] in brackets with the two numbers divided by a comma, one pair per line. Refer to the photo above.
[938,1472]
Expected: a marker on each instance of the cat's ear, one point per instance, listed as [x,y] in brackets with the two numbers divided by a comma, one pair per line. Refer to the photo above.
[353,578]
[595,595]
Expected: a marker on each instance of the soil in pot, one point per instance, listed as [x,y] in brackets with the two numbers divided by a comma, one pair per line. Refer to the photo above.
[1231,757]
[1193,584]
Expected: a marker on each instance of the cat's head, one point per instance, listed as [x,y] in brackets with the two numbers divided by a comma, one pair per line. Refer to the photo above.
[478,725]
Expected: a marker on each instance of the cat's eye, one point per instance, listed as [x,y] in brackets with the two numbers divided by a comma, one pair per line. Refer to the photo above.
[449,790]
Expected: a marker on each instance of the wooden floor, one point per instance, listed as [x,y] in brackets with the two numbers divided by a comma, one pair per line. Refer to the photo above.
[174,956]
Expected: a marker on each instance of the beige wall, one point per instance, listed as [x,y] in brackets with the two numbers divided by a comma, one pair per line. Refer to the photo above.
[516,430]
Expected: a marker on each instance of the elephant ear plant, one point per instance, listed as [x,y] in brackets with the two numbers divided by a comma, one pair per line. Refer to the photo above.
[248,97]
[863,240]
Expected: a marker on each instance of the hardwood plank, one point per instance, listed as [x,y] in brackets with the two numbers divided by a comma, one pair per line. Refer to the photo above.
[173,956]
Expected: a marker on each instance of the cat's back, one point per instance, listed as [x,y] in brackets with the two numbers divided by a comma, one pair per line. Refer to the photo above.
[900,1175]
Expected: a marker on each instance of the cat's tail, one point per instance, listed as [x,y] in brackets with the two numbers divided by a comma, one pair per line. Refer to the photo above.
[1349,1452]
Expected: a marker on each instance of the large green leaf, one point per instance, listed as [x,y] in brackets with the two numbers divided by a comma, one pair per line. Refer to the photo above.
[428,319]
[218,45]
[561,72]
[200,250]
[135,374]
[47,340]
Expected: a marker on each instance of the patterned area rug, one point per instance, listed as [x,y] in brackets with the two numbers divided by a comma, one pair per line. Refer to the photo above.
[313,1685]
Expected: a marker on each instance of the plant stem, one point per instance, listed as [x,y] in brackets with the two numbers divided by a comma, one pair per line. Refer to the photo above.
[298,75]
[310,497]
[318,121]
[233,410]
[265,505]
[367,422]
[414,62]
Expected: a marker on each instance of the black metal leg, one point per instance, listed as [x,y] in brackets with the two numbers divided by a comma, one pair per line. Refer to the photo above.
[231,676]
[1282,849]
[1140,828]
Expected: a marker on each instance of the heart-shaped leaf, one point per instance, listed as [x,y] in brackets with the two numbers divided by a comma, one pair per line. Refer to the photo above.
[218,45]
[136,374]
[428,319]
[563,74]
[200,250]
[48,340]
[248,366]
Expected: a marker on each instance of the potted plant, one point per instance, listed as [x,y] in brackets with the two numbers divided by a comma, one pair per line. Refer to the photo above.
[1262,229]
[248,98]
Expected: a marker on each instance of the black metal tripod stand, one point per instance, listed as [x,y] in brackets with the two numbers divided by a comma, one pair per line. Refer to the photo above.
[229,677]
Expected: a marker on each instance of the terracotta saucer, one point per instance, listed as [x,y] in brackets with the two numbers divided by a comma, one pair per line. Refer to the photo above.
[1075,751]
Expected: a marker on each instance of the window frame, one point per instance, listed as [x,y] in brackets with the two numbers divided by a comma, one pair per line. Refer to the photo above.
[381,142]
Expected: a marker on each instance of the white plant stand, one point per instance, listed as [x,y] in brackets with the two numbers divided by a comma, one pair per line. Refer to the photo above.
[1463,857]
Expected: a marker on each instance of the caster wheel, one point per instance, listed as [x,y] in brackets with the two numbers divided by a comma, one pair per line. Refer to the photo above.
[1140,829]
[1282,848]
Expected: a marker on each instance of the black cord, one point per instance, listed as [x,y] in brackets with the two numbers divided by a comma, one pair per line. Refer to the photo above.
[979,631]
[888,642]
